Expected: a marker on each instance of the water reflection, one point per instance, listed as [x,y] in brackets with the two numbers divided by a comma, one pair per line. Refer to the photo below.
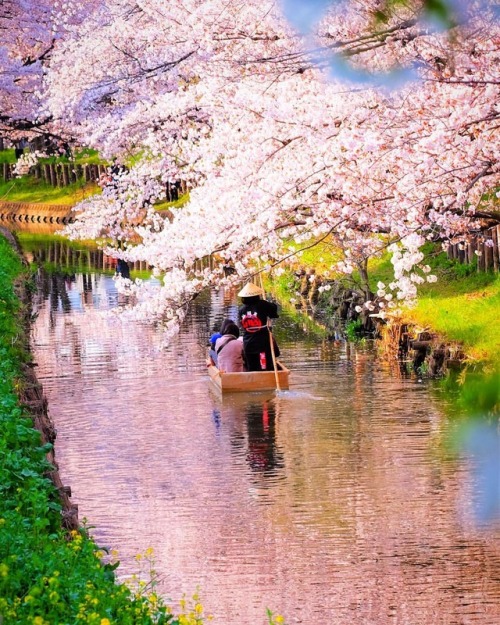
[252,422]
[66,257]
[328,504]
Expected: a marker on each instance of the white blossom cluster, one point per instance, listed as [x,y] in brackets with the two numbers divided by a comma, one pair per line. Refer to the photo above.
[26,161]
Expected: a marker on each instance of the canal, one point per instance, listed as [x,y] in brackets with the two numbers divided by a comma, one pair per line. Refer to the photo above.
[332,503]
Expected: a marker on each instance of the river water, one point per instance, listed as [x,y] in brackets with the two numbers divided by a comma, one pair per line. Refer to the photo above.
[329,504]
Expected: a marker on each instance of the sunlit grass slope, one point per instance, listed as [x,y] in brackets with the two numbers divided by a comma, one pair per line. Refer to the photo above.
[36,191]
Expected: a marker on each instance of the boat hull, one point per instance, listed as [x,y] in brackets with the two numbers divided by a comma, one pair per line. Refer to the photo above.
[248,381]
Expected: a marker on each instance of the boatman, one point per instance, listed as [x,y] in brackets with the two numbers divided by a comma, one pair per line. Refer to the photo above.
[253,316]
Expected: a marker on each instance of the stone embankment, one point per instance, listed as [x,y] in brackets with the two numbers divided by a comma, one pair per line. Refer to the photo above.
[413,349]
[32,397]
[22,213]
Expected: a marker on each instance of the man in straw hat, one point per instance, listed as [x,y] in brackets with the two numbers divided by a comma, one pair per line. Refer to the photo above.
[253,316]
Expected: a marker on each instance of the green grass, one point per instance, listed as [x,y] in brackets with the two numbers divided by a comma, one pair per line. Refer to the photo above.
[8,156]
[36,191]
[465,310]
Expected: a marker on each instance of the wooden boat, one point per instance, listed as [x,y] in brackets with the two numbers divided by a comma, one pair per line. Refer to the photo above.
[248,380]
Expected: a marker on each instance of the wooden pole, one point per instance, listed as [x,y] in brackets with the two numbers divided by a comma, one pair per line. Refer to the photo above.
[275,364]
[271,342]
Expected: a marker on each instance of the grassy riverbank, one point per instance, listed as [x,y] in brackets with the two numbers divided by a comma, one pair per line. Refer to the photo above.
[36,191]
[48,576]
[462,306]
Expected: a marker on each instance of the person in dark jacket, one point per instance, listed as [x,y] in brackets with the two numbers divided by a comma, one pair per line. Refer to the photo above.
[253,316]
[122,269]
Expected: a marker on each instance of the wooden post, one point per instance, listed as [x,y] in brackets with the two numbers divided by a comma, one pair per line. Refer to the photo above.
[480,258]
[65,175]
[53,175]
[471,248]
[488,251]
[497,234]
[461,253]
[494,257]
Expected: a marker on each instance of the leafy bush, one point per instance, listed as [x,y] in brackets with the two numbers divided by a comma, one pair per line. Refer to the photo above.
[353,329]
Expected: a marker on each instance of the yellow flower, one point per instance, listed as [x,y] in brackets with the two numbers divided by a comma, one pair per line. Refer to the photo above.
[105,621]
[4,569]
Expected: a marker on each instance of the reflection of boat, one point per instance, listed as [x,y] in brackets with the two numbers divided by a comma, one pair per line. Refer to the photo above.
[248,380]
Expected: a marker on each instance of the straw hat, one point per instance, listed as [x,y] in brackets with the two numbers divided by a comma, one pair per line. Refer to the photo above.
[250,290]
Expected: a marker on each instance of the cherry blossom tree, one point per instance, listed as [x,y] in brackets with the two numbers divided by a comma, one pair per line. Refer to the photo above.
[29,33]
[276,149]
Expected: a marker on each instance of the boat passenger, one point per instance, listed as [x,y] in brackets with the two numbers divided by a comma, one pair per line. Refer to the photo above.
[229,350]
[257,336]
[213,339]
